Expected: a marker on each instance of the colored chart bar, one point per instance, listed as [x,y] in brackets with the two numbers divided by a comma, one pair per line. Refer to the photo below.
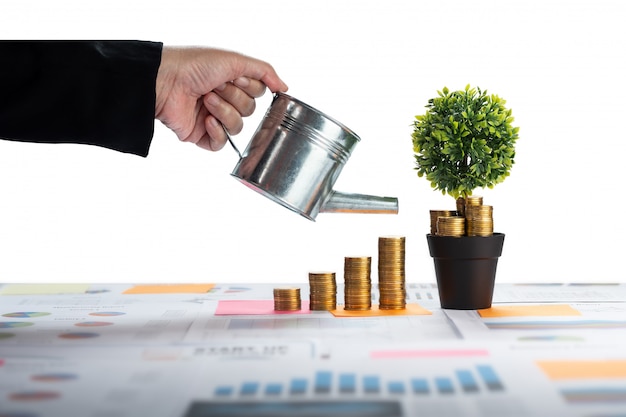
[420,386]
[490,378]
[444,385]
[396,387]
[468,383]
[224,391]
[273,389]
[323,380]
[298,386]
[371,384]
[347,383]
[249,389]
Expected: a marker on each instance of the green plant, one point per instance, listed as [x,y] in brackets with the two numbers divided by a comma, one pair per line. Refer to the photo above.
[465,140]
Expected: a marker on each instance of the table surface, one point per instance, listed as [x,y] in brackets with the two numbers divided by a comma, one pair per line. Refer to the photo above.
[200,350]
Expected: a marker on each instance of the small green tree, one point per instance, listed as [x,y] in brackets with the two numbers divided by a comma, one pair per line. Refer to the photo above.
[464,141]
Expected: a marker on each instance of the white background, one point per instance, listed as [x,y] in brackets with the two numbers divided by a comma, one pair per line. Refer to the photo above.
[72,213]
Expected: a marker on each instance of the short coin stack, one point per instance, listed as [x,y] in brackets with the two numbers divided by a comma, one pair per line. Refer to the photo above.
[322,291]
[391,272]
[287,299]
[435,214]
[451,226]
[358,283]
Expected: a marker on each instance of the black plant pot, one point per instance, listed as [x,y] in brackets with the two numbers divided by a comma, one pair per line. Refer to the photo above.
[465,268]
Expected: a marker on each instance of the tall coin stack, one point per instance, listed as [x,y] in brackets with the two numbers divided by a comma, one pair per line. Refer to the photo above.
[391,273]
[479,220]
[357,283]
[287,299]
[322,291]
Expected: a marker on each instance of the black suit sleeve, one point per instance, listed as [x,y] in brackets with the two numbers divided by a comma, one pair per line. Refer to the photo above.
[91,92]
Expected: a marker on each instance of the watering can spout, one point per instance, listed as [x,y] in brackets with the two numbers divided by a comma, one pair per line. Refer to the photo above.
[339,202]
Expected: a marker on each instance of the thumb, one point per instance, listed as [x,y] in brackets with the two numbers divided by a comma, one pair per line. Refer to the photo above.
[265,73]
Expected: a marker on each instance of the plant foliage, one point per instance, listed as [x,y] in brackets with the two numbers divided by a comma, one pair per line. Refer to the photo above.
[464,141]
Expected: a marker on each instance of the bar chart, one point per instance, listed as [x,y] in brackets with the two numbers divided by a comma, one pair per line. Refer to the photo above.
[347,393]
[463,381]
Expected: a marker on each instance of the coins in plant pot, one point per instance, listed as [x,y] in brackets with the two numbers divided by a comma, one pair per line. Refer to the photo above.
[434,214]
[479,220]
[287,299]
[473,200]
[451,226]
[391,272]
[322,291]
[357,283]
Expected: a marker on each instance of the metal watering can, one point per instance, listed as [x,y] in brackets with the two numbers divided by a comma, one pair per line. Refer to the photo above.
[296,155]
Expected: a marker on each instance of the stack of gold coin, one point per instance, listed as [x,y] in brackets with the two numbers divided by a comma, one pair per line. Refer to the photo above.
[391,272]
[287,299]
[322,291]
[479,220]
[357,283]
[473,200]
[434,214]
[451,226]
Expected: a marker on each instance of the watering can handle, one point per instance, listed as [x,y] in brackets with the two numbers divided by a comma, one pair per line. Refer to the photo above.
[339,202]
[230,140]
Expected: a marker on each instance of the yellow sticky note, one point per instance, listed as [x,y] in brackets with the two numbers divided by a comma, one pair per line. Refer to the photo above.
[583,369]
[410,310]
[43,289]
[539,310]
[170,289]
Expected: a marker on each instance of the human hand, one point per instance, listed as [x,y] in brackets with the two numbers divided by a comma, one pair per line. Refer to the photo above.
[202,91]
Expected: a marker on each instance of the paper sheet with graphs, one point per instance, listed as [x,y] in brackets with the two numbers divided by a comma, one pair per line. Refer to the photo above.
[200,350]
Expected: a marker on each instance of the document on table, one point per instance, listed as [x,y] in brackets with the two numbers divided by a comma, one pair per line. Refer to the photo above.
[218,350]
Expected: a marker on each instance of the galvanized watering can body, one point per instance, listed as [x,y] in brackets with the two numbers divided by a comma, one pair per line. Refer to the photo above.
[295,157]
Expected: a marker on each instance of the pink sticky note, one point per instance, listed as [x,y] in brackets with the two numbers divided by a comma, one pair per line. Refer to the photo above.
[254,307]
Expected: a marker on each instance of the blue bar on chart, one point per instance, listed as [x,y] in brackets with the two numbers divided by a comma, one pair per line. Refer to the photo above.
[371,384]
[396,387]
[273,389]
[298,386]
[468,383]
[444,385]
[419,386]
[490,378]
[323,380]
[347,383]
[249,389]
[224,391]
